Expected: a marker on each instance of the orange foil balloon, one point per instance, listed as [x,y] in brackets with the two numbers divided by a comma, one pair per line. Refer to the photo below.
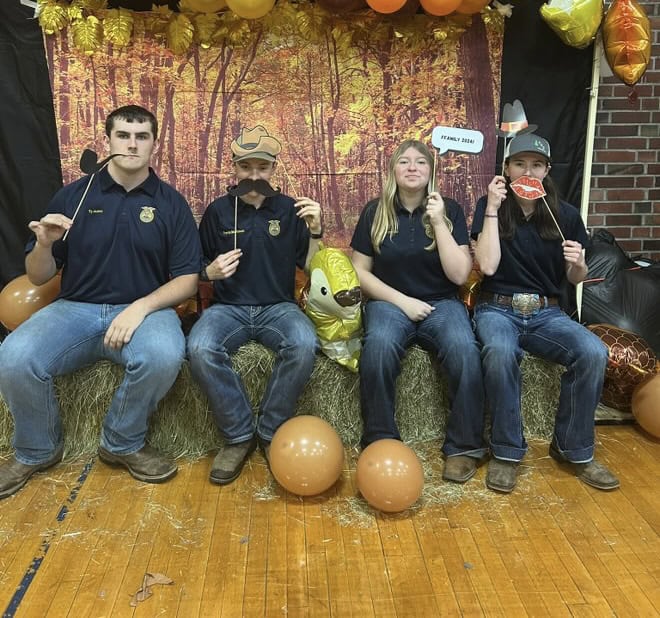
[646,405]
[386,6]
[20,298]
[440,7]
[469,291]
[470,7]
[627,40]
[306,455]
[389,475]
[630,361]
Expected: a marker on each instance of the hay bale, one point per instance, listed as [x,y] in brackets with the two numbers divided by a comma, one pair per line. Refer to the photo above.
[183,426]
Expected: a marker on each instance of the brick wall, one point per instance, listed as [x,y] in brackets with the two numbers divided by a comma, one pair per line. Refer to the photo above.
[625,184]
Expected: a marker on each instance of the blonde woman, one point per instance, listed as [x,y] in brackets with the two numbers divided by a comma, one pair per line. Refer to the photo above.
[410,250]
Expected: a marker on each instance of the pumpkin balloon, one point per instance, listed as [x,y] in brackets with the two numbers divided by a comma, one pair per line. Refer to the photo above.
[386,6]
[646,405]
[575,23]
[306,455]
[627,40]
[251,9]
[440,7]
[630,361]
[389,475]
[20,298]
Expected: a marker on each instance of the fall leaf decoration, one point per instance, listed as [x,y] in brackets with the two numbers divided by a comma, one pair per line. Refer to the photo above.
[178,31]
[87,34]
[118,26]
[53,16]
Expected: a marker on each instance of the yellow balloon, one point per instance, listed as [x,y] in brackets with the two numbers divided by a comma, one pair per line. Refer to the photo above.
[251,9]
[203,6]
[575,23]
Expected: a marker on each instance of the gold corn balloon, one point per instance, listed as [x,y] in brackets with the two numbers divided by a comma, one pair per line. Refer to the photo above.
[627,40]
[575,23]
[334,306]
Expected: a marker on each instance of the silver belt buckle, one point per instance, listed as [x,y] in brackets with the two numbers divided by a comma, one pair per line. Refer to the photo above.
[526,304]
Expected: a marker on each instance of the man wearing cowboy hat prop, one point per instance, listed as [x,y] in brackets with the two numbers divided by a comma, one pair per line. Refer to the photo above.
[253,239]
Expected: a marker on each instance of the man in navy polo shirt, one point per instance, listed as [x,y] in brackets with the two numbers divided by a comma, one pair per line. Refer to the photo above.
[252,245]
[130,254]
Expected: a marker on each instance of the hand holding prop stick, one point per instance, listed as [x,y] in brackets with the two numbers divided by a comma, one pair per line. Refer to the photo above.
[529,188]
[89,165]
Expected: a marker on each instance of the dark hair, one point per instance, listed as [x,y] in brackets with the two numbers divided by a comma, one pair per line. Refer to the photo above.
[511,215]
[131,113]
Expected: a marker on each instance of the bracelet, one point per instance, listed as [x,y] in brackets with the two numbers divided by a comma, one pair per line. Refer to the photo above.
[490,216]
[317,236]
[203,275]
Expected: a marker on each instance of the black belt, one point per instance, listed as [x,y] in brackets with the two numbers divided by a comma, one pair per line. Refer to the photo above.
[524,304]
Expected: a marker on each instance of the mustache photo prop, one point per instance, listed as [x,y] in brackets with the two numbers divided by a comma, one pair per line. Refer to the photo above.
[89,165]
[247,185]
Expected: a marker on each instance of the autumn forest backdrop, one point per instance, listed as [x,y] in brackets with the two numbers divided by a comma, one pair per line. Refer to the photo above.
[338,97]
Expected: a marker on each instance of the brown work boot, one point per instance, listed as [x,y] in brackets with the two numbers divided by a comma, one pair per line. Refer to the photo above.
[146,465]
[501,475]
[592,473]
[230,460]
[459,468]
[14,474]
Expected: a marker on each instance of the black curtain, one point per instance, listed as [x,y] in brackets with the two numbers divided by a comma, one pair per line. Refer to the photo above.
[30,170]
[552,80]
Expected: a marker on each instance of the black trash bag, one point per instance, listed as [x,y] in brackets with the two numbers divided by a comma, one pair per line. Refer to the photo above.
[629,299]
[604,256]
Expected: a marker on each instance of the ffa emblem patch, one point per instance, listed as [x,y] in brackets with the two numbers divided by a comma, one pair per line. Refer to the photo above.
[274,227]
[147,214]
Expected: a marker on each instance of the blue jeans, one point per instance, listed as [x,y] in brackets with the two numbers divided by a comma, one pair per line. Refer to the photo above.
[446,331]
[221,330]
[67,335]
[552,335]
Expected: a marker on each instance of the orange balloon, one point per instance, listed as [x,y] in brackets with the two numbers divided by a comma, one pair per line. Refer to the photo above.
[440,7]
[470,7]
[389,475]
[646,405]
[627,40]
[306,455]
[386,6]
[20,298]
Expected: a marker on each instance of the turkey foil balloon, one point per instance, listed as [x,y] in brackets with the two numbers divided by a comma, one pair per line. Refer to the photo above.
[627,40]
[575,22]
[333,305]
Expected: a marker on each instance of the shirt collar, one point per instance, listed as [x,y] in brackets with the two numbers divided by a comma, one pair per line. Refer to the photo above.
[149,186]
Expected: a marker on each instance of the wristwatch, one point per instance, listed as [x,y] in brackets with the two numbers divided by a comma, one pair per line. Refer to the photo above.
[317,236]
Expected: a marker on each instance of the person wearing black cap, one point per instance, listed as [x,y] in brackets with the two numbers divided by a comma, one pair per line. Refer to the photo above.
[253,239]
[520,251]
[131,254]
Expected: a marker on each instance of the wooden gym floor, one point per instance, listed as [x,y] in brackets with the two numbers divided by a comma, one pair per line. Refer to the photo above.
[78,540]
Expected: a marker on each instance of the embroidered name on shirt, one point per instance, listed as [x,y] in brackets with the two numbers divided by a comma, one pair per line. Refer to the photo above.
[95,211]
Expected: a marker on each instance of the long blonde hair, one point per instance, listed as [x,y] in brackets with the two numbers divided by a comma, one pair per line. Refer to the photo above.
[385,219]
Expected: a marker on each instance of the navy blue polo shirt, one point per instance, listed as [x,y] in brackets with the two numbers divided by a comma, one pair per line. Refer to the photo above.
[123,245]
[273,240]
[403,263]
[529,263]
